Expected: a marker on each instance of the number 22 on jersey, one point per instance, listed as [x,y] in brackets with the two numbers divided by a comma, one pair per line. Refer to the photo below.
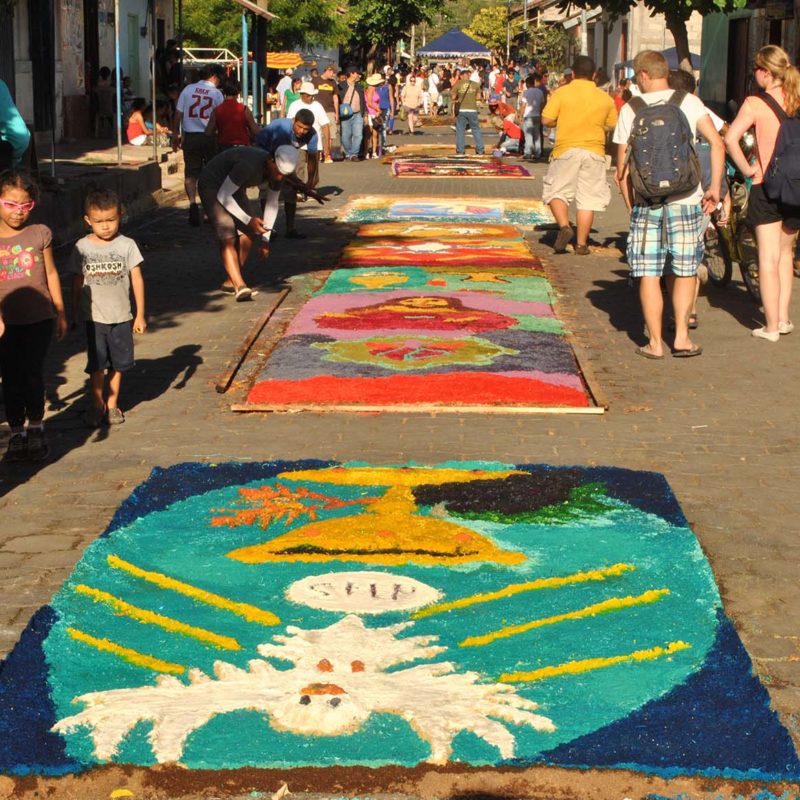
[201,107]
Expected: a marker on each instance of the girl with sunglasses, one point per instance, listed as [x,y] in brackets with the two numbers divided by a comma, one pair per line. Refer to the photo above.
[30,299]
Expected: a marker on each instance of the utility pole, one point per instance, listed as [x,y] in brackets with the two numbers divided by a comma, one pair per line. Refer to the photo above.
[584,34]
[525,24]
[508,31]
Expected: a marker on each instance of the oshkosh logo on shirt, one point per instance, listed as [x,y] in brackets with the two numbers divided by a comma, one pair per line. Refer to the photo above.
[104,272]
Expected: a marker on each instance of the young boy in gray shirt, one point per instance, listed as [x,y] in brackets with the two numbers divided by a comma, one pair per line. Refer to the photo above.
[105,267]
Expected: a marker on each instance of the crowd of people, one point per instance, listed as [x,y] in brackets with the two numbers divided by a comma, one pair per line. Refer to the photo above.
[670,171]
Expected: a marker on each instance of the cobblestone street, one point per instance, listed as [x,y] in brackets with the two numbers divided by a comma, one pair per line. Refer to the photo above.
[722,428]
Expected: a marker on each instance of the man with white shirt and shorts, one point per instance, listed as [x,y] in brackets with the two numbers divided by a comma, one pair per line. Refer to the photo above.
[674,229]
[192,112]
[322,128]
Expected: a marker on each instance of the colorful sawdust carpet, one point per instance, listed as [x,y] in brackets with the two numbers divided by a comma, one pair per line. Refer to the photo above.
[470,327]
[314,614]
[394,208]
[457,168]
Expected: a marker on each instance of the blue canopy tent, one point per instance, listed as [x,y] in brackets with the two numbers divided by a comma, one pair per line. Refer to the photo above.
[454,44]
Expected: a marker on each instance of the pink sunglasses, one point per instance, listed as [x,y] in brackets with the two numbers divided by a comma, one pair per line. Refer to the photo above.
[10,205]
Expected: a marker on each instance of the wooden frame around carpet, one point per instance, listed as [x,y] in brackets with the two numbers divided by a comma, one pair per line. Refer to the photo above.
[585,372]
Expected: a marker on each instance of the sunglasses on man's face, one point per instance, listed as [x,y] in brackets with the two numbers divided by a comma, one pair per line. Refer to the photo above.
[10,205]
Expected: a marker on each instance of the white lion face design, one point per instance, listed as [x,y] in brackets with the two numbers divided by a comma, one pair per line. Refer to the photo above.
[338,680]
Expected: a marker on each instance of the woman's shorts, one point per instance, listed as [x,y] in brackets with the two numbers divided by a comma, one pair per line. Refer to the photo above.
[762,211]
[109,346]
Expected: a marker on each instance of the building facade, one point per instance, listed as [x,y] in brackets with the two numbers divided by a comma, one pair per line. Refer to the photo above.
[730,42]
[53,51]
[612,44]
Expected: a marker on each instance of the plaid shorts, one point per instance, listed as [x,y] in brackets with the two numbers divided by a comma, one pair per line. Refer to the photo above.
[647,252]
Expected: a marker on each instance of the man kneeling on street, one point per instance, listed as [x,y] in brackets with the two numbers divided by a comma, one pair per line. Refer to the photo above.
[237,220]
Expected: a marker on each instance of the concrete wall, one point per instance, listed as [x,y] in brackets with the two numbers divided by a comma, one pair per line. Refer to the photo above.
[716,28]
[72,103]
[23,77]
[650,33]
[134,49]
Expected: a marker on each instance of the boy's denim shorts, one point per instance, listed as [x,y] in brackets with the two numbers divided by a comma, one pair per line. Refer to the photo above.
[684,240]
[109,346]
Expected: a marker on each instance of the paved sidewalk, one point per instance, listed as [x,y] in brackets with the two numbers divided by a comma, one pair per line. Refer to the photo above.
[723,428]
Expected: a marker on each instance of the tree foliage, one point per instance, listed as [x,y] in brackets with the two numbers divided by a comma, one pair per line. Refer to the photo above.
[383,22]
[212,23]
[490,27]
[301,21]
[676,14]
[548,44]
[218,23]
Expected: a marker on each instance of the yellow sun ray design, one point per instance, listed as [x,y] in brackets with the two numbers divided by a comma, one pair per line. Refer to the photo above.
[530,586]
[151,618]
[605,607]
[245,610]
[590,664]
[126,653]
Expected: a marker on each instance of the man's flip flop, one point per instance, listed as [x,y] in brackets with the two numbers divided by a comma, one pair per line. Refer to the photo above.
[225,289]
[640,351]
[243,293]
[696,350]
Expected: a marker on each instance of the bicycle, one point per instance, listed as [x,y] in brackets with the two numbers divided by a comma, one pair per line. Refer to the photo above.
[734,242]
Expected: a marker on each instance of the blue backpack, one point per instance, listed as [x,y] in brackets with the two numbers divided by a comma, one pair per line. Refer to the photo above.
[782,174]
[661,158]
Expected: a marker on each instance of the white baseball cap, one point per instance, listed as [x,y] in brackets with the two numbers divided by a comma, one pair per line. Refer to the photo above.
[286,159]
[306,87]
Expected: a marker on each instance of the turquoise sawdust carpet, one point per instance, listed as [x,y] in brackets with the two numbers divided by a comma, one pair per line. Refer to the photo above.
[311,613]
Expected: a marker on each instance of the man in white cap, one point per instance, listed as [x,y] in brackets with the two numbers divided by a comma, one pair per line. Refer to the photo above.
[236,219]
[322,128]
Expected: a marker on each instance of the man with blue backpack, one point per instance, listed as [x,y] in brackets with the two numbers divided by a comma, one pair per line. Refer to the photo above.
[659,176]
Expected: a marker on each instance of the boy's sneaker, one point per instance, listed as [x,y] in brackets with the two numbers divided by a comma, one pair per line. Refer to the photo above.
[94,416]
[17,449]
[115,416]
[194,215]
[38,448]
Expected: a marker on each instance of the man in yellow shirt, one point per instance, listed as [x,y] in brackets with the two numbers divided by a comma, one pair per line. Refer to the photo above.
[581,114]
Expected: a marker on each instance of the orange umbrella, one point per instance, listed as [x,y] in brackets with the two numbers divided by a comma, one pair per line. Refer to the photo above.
[284,60]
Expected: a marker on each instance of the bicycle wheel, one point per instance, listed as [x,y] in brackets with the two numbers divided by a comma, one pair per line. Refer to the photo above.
[717,257]
[746,246]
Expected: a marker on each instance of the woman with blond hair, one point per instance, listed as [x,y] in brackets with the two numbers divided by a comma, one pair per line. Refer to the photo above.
[775,223]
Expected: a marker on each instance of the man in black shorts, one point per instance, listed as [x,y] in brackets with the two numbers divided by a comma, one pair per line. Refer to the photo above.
[192,113]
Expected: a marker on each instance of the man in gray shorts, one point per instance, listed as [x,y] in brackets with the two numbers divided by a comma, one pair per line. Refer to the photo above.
[236,219]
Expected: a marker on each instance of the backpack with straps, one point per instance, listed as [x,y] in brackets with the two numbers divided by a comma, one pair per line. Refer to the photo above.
[661,155]
[661,158]
[782,174]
